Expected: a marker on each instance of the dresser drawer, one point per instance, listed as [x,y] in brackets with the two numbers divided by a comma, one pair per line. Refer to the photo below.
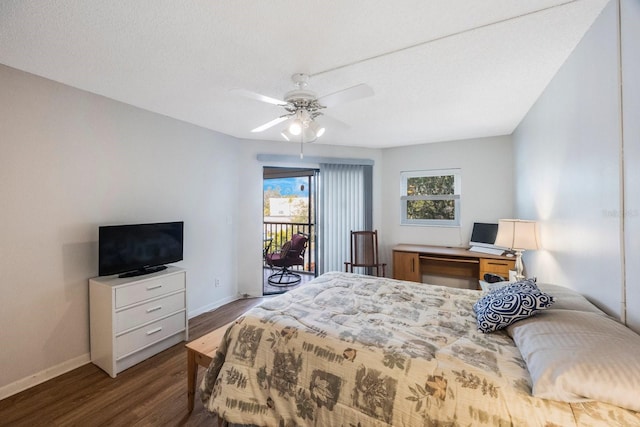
[149,311]
[496,266]
[147,289]
[142,337]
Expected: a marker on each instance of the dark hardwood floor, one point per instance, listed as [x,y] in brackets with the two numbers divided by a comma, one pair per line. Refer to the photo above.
[152,393]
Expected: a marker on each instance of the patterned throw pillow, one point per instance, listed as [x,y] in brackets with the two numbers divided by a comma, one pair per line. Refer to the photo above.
[502,307]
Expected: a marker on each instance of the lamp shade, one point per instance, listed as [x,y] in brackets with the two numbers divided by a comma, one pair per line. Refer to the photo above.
[517,234]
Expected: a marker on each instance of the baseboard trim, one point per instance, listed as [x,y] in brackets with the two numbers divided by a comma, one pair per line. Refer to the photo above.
[209,307]
[44,375]
[69,365]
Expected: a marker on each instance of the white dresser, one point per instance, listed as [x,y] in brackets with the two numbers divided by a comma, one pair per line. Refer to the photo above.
[136,317]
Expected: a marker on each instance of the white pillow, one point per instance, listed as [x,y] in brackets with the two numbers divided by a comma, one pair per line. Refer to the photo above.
[575,356]
[568,299]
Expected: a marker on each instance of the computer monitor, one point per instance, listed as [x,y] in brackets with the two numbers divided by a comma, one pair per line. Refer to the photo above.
[483,234]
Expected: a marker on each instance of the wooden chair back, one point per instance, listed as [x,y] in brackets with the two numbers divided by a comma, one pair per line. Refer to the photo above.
[364,252]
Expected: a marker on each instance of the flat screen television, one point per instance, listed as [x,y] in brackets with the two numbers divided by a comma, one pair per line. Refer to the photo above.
[483,234]
[136,249]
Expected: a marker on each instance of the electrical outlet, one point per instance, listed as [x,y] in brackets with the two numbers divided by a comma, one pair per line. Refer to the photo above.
[217,282]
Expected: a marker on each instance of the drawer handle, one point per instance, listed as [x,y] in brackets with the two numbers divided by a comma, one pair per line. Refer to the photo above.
[498,263]
[463,260]
[152,309]
[150,288]
[153,331]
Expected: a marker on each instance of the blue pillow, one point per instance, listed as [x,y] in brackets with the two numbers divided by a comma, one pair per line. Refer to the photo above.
[504,306]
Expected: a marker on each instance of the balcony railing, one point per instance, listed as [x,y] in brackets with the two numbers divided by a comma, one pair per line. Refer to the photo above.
[278,233]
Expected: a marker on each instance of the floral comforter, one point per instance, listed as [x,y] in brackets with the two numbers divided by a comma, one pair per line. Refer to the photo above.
[351,350]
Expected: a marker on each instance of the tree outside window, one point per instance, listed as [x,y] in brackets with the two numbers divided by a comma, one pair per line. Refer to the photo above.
[430,197]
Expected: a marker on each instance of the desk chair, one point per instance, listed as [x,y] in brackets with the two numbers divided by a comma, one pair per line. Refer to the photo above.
[364,252]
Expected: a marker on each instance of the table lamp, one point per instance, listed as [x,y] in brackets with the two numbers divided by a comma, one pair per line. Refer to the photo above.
[518,235]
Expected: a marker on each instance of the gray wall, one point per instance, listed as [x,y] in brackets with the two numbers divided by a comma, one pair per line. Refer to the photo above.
[486,180]
[71,161]
[569,169]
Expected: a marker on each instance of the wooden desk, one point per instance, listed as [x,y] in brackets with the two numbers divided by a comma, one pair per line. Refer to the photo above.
[200,352]
[411,262]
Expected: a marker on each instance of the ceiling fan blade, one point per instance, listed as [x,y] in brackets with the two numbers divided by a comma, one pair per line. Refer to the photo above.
[333,123]
[270,124]
[346,95]
[254,95]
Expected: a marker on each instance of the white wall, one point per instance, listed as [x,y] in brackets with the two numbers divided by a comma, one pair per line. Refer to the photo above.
[487,187]
[569,147]
[71,161]
[631,98]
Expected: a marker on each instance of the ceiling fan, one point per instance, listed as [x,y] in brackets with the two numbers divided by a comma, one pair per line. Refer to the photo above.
[303,106]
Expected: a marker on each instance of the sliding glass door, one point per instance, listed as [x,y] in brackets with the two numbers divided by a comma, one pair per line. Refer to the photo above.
[289,207]
[326,204]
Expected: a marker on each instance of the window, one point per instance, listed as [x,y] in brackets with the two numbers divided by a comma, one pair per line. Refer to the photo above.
[430,197]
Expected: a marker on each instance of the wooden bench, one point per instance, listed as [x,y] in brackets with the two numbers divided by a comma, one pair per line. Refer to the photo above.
[200,352]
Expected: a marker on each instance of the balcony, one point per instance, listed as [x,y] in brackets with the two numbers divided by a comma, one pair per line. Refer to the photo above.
[275,235]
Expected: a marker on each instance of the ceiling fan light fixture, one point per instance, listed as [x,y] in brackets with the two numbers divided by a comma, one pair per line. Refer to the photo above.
[296,127]
[308,135]
[303,106]
[317,129]
[286,134]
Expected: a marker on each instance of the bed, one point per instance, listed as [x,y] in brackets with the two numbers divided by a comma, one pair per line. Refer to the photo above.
[354,350]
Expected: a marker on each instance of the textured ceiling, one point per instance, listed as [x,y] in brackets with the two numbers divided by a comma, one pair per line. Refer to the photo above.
[441,70]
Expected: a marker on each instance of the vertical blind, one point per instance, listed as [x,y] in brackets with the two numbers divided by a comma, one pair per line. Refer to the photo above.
[345,205]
